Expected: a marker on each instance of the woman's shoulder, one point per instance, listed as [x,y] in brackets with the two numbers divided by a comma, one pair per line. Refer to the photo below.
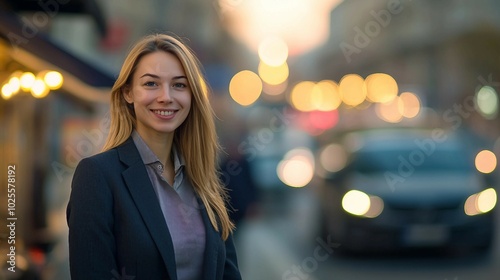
[101,159]
[111,159]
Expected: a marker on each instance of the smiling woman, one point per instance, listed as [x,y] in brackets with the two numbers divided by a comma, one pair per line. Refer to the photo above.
[151,204]
[161,98]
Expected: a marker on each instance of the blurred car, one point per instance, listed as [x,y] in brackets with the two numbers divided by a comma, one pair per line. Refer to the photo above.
[404,189]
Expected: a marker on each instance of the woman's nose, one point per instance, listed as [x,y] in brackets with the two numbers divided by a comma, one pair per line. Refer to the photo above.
[165,95]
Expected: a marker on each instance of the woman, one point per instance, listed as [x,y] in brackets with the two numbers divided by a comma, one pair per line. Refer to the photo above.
[151,205]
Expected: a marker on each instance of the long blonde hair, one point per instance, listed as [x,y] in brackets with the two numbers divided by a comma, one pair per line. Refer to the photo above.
[196,138]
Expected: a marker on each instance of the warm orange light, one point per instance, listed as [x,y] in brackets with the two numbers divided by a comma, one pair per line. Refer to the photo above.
[486,200]
[486,161]
[381,87]
[470,206]
[273,51]
[352,90]
[480,203]
[7,91]
[15,84]
[361,204]
[275,89]
[297,168]
[302,95]
[356,202]
[273,75]
[27,79]
[390,111]
[411,105]
[295,172]
[245,87]
[302,24]
[53,79]
[39,89]
[326,96]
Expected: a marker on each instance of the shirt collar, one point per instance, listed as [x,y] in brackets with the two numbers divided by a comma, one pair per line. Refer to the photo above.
[148,157]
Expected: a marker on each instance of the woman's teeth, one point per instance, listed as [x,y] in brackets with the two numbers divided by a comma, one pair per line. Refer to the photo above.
[163,113]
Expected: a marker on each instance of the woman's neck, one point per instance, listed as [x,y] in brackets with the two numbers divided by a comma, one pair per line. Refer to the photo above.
[159,143]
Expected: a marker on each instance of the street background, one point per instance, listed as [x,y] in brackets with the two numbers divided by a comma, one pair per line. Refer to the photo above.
[287,77]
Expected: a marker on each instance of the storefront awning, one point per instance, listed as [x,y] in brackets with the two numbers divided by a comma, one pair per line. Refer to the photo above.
[35,50]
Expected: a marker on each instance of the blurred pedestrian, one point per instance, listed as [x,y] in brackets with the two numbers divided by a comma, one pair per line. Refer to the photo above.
[151,205]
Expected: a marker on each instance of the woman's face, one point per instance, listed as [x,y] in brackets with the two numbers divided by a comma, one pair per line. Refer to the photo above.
[160,94]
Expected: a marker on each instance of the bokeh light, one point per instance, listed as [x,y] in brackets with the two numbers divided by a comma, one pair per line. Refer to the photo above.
[275,89]
[273,51]
[297,168]
[352,89]
[324,120]
[333,157]
[486,161]
[12,87]
[486,200]
[470,208]
[53,79]
[410,105]
[245,87]
[39,89]
[301,96]
[390,111]
[356,202]
[15,84]
[273,75]
[39,86]
[27,79]
[487,102]
[376,207]
[361,204]
[7,91]
[302,24]
[296,172]
[326,96]
[481,203]
[381,87]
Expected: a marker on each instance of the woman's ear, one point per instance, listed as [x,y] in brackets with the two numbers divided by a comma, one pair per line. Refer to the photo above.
[127,94]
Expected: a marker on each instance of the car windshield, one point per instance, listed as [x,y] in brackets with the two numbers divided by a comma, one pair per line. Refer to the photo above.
[380,161]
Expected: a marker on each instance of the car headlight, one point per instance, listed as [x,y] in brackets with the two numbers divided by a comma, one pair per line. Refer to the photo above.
[361,204]
[480,203]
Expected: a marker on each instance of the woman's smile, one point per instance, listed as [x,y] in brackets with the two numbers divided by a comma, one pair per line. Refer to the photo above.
[164,114]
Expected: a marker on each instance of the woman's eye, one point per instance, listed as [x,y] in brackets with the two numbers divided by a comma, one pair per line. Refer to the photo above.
[150,84]
[180,85]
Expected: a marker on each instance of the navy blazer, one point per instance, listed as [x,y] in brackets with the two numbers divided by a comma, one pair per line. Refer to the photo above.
[117,229]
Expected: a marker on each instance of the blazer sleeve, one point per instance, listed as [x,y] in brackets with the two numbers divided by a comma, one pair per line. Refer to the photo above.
[90,220]
[231,270]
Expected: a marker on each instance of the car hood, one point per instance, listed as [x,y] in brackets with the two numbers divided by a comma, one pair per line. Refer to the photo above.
[419,189]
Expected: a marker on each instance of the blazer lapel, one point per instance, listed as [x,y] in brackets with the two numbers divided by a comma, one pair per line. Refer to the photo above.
[212,244]
[139,186]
